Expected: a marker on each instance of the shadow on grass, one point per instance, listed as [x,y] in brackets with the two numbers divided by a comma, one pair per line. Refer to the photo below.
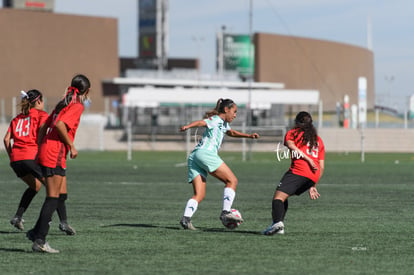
[13,250]
[141,225]
[236,231]
[202,229]
[11,232]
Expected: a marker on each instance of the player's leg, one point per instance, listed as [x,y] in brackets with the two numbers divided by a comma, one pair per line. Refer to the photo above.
[279,208]
[224,173]
[290,184]
[199,187]
[53,185]
[61,210]
[27,197]
[32,182]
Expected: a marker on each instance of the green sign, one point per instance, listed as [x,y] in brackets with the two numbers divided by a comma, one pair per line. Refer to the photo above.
[238,54]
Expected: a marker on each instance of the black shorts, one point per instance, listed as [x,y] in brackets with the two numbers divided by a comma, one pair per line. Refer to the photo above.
[58,170]
[292,184]
[27,167]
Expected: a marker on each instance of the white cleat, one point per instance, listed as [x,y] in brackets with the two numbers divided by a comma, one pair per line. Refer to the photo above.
[45,248]
[275,228]
[229,216]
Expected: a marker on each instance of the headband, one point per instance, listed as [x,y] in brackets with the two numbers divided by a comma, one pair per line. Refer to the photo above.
[35,99]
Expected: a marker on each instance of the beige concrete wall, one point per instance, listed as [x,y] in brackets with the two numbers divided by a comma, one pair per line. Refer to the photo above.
[44,51]
[375,140]
[335,139]
[302,63]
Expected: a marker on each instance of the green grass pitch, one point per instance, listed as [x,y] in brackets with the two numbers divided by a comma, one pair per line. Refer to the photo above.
[126,215]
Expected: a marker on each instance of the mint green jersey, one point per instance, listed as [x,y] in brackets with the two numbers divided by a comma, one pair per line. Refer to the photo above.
[214,134]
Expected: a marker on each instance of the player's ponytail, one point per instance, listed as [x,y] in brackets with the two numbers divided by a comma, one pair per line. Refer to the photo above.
[220,107]
[303,124]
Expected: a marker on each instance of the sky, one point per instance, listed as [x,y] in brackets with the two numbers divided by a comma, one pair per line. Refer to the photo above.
[193,26]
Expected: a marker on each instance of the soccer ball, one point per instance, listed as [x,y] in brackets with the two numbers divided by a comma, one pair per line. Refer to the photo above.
[232,224]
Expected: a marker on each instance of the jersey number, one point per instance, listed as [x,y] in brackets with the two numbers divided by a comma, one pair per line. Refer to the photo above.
[23,127]
[314,152]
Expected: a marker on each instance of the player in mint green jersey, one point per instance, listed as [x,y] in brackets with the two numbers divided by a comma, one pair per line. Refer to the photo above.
[204,160]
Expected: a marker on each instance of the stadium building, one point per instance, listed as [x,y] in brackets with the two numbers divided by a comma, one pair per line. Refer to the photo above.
[43,50]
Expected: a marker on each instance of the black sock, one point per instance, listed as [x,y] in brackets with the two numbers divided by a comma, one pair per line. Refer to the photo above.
[286,204]
[42,225]
[278,210]
[25,201]
[61,208]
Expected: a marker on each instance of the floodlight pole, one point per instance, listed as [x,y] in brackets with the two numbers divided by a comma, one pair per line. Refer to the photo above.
[362,144]
[249,77]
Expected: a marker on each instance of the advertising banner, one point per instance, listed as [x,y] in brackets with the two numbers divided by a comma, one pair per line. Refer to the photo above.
[362,101]
[44,5]
[147,28]
[238,54]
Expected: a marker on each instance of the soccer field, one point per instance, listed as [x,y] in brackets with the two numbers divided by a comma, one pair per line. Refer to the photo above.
[126,214]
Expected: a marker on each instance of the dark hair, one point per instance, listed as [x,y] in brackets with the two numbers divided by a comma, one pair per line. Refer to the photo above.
[79,87]
[303,124]
[220,107]
[29,100]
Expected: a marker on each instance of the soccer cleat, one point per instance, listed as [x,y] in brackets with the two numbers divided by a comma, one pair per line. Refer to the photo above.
[229,216]
[31,235]
[67,228]
[17,222]
[45,247]
[275,228]
[186,223]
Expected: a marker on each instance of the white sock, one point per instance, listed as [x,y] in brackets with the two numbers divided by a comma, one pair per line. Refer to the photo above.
[190,208]
[228,198]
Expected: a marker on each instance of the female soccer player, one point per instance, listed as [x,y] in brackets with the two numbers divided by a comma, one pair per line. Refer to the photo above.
[23,131]
[307,166]
[56,144]
[204,160]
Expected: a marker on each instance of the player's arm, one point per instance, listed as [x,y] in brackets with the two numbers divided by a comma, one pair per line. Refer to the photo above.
[197,123]
[293,148]
[41,133]
[234,133]
[7,143]
[313,192]
[64,137]
[321,167]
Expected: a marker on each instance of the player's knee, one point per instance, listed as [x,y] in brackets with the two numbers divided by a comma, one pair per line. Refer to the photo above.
[235,182]
[199,197]
[232,183]
[280,196]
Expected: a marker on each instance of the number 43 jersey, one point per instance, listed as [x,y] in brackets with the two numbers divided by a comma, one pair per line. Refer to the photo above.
[24,130]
